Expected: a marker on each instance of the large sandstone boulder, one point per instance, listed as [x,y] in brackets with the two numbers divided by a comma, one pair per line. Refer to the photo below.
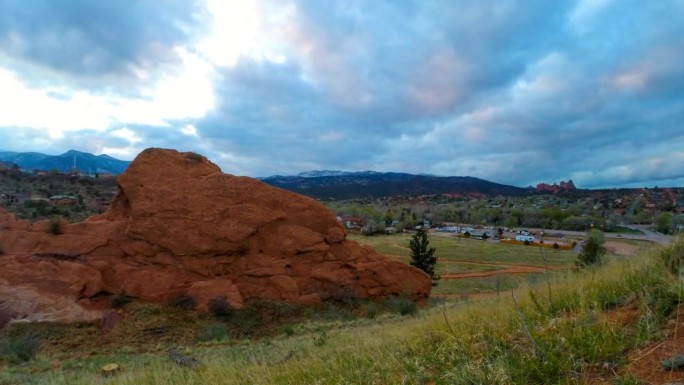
[179,226]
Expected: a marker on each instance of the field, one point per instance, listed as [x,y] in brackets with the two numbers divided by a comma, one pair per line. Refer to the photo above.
[608,325]
[475,267]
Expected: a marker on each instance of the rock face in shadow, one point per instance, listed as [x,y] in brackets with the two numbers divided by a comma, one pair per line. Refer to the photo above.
[179,227]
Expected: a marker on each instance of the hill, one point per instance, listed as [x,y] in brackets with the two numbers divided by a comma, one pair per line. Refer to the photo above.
[83,161]
[339,185]
[619,323]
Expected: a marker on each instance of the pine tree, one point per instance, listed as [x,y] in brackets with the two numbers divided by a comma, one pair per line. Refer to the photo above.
[592,251]
[423,256]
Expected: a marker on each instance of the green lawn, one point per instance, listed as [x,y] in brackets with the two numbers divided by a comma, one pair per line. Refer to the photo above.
[460,255]
[502,283]
[470,250]
[455,267]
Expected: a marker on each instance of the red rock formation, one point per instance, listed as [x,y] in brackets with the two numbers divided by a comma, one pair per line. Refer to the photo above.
[180,226]
[564,186]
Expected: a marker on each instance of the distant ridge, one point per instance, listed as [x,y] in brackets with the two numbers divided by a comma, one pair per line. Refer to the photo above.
[342,185]
[84,162]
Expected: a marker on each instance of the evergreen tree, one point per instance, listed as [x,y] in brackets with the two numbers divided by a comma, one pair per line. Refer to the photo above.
[423,256]
[592,251]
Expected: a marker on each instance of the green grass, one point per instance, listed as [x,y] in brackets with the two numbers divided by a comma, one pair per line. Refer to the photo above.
[471,250]
[625,230]
[501,283]
[452,267]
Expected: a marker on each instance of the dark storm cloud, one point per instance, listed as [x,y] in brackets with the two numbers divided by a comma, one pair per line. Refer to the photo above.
[91,38]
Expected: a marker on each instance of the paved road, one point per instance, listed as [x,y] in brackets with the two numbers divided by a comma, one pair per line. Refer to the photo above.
[646,234]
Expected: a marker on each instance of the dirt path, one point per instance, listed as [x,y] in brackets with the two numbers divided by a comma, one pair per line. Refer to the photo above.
[507,271]
[621,248]
[481,294]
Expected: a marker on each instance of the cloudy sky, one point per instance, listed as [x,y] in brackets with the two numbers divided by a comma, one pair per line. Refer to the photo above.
[516,92]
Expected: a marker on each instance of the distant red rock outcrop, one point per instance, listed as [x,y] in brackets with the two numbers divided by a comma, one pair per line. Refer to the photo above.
[555,188]
[179,226]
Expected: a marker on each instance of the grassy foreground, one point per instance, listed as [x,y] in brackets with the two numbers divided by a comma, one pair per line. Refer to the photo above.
[579,328]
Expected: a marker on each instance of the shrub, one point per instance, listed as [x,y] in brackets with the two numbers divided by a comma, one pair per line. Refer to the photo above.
[344,296]
[220,307]
[22,346]
[215,331]
[321,339]
[527,243]
[56,225]
[371,311]
[555,245]
[592,251]
[120,299]
[288,330]
[407,307]
[673,257]
[193,156]
[402,306]
[185,302]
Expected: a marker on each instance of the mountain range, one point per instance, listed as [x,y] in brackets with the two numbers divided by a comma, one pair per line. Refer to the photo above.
[341,185]
[82,161]
[317,184]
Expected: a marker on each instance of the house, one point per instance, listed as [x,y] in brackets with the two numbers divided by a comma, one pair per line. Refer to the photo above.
[63,200]
[353,222]
[450,229]
[480,235]
[390,230]
[16,198]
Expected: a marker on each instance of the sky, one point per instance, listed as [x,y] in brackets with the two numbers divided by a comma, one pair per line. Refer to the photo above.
[515,92]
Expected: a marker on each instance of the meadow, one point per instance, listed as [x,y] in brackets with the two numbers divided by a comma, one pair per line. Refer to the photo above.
[611,324]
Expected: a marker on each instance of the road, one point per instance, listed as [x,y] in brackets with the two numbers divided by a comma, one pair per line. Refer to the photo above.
[646,234]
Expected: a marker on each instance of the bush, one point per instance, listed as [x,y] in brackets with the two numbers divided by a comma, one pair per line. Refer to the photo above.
[193,156]
[216,331]
[220,307]
[56,225]
[120,299]
[321,339]
[592,251]
[344,296]
[288,330]
[185,302]
[407,307]
[555,245]
[371,311]
[22,346]
[673,257]
[402,306]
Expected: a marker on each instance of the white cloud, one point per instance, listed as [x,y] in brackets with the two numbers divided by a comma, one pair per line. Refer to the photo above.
[128,134]
[189,130]
[234,29]
[59,108]
[56,109]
